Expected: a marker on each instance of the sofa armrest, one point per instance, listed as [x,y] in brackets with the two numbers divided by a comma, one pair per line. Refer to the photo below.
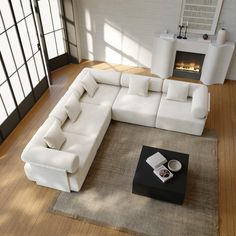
[50,157]
[200,103]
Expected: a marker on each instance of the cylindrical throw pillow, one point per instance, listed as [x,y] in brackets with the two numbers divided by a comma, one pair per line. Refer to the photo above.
[200,102]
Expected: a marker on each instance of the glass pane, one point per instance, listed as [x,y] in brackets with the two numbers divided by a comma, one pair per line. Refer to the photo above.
[51,45]
[25,39]
[57,21]
[7,55]
[3,114]
[15,45]
[2,74]
[60,42]
[1,25]
[24,80]
[15,83]
[32,33]
[39,64]
[17,10]
[45,16]
[6,13]
[26,7]
[71,33]
[73,51]
[7,98]
[33,72]
[69,10]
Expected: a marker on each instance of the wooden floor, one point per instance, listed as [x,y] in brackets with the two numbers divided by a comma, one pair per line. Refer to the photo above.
[24,205]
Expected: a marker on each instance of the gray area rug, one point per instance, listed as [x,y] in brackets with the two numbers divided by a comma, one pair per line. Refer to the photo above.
[106,197]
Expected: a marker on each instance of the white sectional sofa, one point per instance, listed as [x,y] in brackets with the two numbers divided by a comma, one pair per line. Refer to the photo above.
[66,168]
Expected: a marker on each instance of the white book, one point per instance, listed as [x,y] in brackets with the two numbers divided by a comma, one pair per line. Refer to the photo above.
[163,173]
[156,160]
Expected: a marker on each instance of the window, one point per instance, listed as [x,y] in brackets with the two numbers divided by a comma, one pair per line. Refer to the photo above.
[22,72]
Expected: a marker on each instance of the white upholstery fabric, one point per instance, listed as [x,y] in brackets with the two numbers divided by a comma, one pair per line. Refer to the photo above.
[90,121]
[54,137]
[177,116]
[105,95]
[89,84]
[110,77]
[59,110]
[177,91]
[136,109]
[155,84]
[66,169]
[200,103]
[138,86]
[192,86]
[53,158]
[73,107]
[47,176]
[76,179]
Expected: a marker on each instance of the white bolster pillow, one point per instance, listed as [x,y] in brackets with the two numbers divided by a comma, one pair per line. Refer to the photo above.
[53,158]
[200,102]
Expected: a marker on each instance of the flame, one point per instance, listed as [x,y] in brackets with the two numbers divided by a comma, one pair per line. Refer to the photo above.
[190,67]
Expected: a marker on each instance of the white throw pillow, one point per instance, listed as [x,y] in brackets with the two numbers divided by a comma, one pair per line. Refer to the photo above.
[54,138]
[73,107]
[89,84]
[138,86]
[177,91]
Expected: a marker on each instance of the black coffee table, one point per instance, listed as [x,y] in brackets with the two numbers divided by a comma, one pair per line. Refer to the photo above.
[146,183]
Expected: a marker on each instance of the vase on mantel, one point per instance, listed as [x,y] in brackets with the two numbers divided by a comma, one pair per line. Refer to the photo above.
[221,36]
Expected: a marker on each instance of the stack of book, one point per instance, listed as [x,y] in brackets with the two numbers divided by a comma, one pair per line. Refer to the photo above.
[157,161]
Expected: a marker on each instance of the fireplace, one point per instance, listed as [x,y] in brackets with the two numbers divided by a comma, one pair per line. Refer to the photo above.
[188,65]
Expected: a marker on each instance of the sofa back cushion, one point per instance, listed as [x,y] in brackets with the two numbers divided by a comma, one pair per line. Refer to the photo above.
[192,86]
[89,84]
[155,84]
[105,76]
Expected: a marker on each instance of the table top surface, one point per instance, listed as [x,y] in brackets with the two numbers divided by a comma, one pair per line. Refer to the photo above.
[144,173]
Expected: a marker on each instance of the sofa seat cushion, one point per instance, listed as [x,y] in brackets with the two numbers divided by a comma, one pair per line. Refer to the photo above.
[177,116]
[90,121]
[105,95]
[136,109]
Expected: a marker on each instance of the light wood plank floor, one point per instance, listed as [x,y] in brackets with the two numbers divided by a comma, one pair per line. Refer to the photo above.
[24,205]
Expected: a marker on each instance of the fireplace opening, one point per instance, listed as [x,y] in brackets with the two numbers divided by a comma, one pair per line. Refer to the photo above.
[188,65]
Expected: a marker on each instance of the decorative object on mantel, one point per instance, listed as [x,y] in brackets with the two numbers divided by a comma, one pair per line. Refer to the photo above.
[185,32]
[180,32]
[221,36]
[205,36]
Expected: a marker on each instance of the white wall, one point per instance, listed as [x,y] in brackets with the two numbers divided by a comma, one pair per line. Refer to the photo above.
[121,31]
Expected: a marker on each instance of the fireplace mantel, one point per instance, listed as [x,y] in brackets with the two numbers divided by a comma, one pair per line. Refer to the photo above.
[215,65]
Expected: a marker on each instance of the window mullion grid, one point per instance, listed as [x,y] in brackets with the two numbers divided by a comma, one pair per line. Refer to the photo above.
[12,54]
[9,84]
[31,47]
[22,49]
[53,27]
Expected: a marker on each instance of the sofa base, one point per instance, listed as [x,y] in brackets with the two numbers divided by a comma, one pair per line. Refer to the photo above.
[48,177]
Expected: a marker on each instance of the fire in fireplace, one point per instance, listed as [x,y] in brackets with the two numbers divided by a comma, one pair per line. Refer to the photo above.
[188,65]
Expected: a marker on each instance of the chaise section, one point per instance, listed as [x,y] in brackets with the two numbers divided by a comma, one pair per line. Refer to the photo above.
[136,109]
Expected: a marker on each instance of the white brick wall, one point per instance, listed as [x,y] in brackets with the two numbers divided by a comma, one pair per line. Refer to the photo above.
[122,31]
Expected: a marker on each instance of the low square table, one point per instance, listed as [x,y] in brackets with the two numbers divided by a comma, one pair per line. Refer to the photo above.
[146,183]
